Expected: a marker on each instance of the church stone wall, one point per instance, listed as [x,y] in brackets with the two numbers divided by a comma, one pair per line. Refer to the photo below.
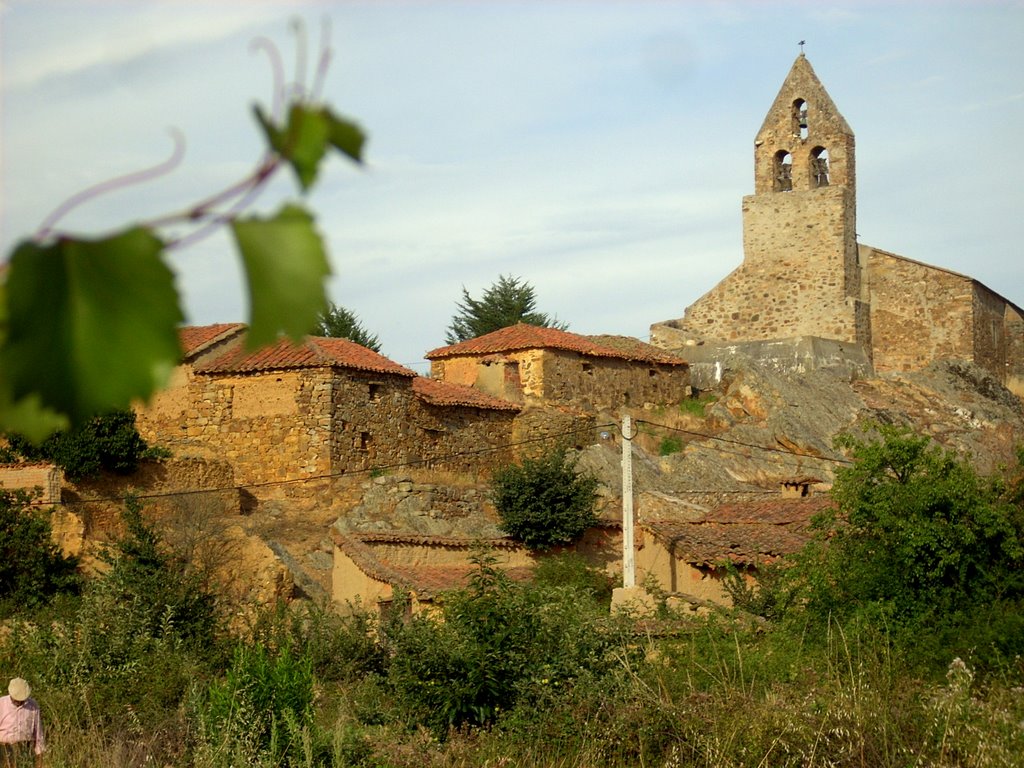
[918,313]
[795,279]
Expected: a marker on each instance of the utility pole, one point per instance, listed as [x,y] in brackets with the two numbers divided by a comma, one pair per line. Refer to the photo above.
[628,560]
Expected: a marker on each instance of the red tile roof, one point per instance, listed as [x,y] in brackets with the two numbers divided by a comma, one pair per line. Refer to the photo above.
[443,393]
[314,352]
[523,336]
[195,338]
[795,511]
[426,581]
[743,532]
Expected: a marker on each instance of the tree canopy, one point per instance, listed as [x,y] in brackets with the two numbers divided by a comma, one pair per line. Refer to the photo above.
[340,323]
[917,536]
[508,301]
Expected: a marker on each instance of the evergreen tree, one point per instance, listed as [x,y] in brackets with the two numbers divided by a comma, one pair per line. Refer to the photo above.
[339,323]
[506,302]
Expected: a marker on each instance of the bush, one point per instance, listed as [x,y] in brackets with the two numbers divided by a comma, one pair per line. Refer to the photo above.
[916,536]
[545,502]
[108,442]
[497,643]
[32,567]
[169,598]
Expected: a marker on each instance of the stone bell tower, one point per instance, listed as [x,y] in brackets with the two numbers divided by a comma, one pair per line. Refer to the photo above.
[799,226]
[800,275]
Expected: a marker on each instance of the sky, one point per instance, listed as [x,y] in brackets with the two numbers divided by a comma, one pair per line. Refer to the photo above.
[599,151]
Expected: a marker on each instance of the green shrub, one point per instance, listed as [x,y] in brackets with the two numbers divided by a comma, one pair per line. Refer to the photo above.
[497,643]
[545,502]
[169,597]
[697,406]
[571,570]
[32,567]
[340,648]
[109,442]
[670,445]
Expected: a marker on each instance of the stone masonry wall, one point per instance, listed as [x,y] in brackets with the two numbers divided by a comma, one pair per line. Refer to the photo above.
[567,378]
[918,313]
[990,342]
[1013,322]
[794,279]
[461,439]
[608,384]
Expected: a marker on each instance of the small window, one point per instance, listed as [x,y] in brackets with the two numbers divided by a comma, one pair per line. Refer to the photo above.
[783,171]
[588,368]
[364,441]
[374,392]
[652,372]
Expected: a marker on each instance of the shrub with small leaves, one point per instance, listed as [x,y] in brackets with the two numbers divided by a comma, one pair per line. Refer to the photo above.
[545,502]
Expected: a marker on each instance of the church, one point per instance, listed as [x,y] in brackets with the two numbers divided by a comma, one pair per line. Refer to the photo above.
[807,294]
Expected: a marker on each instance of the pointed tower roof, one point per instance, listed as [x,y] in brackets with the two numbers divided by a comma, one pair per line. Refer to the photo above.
[802,83]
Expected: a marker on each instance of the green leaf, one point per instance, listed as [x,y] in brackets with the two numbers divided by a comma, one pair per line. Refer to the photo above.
[286,266]
[346,136]
[303,142]
[91,324]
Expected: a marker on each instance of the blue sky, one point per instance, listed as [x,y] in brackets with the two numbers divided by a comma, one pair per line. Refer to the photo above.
[597,150]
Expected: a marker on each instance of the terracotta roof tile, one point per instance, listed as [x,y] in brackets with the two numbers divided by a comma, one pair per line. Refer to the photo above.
[426,581]
[443,393]
[429,581]
[196,338]
[743,532]
[314,352]
[522,336]
[770,512]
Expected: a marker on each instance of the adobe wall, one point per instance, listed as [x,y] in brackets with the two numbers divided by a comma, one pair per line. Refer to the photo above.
[46,479]
[672,574]
[918,313]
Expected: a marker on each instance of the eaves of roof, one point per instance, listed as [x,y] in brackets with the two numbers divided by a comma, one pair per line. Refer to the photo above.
[443,393]
[523,337]
[313,352]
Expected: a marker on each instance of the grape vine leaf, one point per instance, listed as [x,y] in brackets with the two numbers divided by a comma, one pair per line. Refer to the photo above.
[91,324]
[286,265]
[346,136]
[306,137]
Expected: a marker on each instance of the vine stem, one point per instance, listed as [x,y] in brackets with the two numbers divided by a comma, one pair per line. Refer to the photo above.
[118,182]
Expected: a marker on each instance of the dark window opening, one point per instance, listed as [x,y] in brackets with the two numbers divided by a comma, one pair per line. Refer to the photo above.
[364,441]
[374,392]
[588,368]
[783,171]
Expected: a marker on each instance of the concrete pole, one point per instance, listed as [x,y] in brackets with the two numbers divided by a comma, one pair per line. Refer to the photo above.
[628,559]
